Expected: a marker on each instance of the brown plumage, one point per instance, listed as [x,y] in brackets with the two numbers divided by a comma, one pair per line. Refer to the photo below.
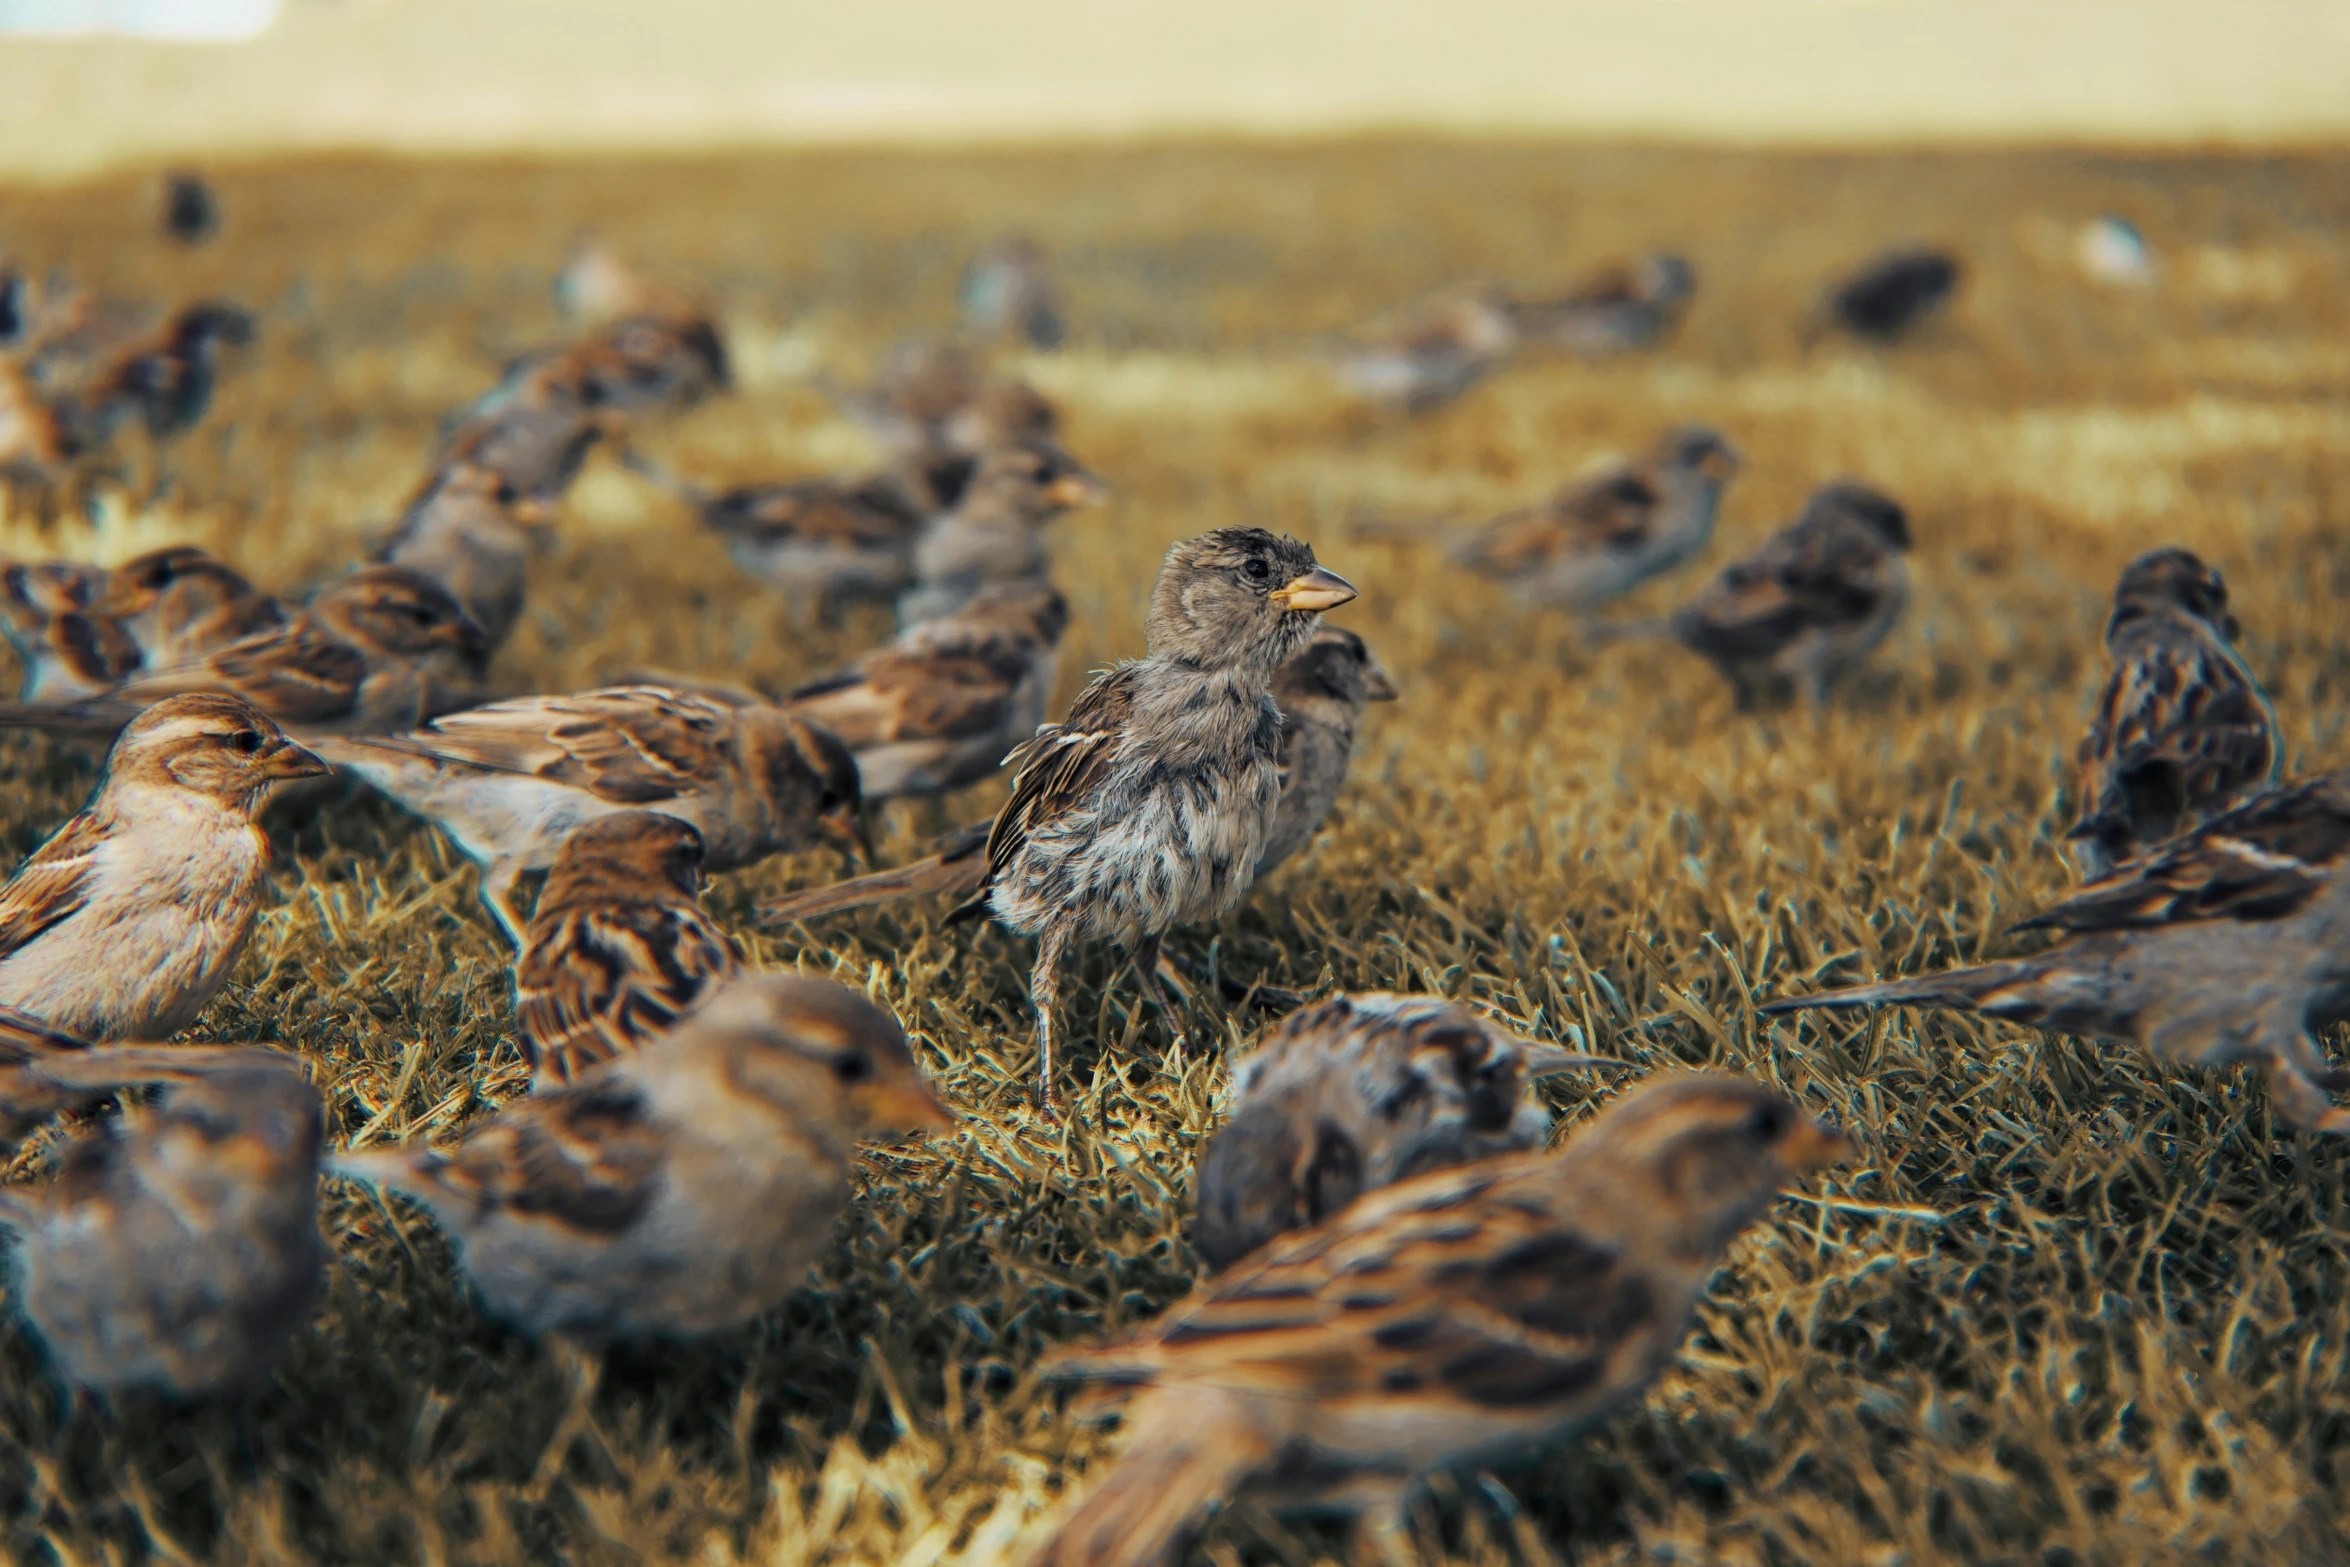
[82,630]
[1616,310]
[472,530]
[1430,353]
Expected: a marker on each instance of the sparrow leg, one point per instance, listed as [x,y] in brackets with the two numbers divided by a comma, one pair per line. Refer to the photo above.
[1044,992]
[497,892]
[1147,959]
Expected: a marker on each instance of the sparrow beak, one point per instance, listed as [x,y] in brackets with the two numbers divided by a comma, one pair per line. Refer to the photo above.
[1319,589]
[292,761]
[1076,488]
[906,1108]
[845,824]
[1813,1145]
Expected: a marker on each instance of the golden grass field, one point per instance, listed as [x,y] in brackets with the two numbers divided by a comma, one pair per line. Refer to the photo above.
[2064,1308]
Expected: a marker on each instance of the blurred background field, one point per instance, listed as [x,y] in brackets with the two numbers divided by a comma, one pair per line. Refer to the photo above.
[2066,1308]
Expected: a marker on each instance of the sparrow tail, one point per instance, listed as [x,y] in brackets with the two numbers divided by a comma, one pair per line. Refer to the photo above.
[956,871]
[1185,1451]
[1963,989]
[99,718]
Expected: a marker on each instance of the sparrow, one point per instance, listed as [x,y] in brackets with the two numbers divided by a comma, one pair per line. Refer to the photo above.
[1617,310]
[46,1072]
[685,1187]
[81,630]
[126,920]
[94,381]
[65,648]
[1008,292]
[2222,945]
[938,398]
[511,781]
[618,948]
[471,530]
[2182,730]
[647,347]
[994,534]
[179,603]
[1455,1318]
[1433,352]
[35,447]
[1149,805]
[177,1249]
[1359,1092]
[1807,607]
[535,428]
[1888,298]
[191,213]
[1321,692]
[942,706]
[1600,538]
[367,656]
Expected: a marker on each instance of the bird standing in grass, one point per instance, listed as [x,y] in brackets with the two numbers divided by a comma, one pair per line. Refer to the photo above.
[471,530]
[1617,310]
[995,533]
[1321,692]
[1890,297]
[1459,1318]
[2182,730]
[1433,352]
[1359,1092]
[82,630]
[1149,806]
[683,1188]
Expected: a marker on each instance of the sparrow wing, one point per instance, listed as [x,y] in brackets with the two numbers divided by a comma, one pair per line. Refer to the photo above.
[2260,861]
[295,673]
[610,979]
[1611,285]
[864,515]
[635,745]
[586,1158]
[1061,764]
[2181,726]
[915,694]
[1614,511]
[53,884]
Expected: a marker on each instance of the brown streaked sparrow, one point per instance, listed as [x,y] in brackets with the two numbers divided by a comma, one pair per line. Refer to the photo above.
[995,531]
[1008,292]
[1433,352]
[1617,310]
[471,530]
[1321,691]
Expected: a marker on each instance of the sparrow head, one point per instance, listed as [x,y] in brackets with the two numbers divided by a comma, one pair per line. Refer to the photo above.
[180,577]
[1695,449]
[818,1052]
[817,767]
[1707,1152]
[1035,482]
[1029,607]
[1850,501]
[627,849]
[1335,667]
[480,490]
[212,744]
[34,594]
[1239,597]
[2171,578]
[1003,413]
[393,611]
[260,1122]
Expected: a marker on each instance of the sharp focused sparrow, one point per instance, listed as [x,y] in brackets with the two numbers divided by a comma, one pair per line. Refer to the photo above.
[2224,945]
[471,530]
[1432,353]
[1890,297]
[1802,611]
[177,1250]
[684,1188]
[941,707]
[1458,1318]
[1600,538]
[619,948]
[1617,310]
[1149,806]
[2182,730]
[126,920]
[511,781]
[1321,691]
[1008,292]
[1359,1092]
[995,533]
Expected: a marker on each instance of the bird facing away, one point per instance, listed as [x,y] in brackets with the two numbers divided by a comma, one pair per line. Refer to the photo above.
[364,657]
[994,534]
[126,920]
[1890,297]
[471,530]
[1149,806]
[177,1250]
[1459,1318]
[2220,946]
[1801,612]
[1008,292]
[941,707]
[1433,352]
[1321,692]
[511,781]
[618,948]
[685,1187]
[1600,538]
[2182,730]
[1359,1092]
[1615,311]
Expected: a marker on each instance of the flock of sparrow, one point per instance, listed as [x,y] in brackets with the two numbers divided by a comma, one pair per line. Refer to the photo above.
[1405,1278]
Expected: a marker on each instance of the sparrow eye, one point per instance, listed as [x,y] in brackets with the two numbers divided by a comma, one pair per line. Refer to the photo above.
[1768,1123]
[244,742]
[1256,570]
[852,1068]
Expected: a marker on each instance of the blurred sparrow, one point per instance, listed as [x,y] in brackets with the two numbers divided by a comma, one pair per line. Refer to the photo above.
[534,429]
[1601,538]
[126,920]
[1803,610]
[470,530]
[995,532]
[34,446]
[179,603]
[934,398]
[649,346]
[66,648]
[2182,731]
[1149,806]
[177,1250]
[941,707]
[511,781]
[82,630]
[365,657]
[1431,353]
[100,374]
[1617,310]
[684,1188]
[46,1072]
[1359,1092]
[619,948]
[1888,298]
[1457,1318]
[1008,292]
[191,213]
[1321,691]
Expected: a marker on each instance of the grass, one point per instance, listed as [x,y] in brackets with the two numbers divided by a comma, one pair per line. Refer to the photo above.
[2064,1308]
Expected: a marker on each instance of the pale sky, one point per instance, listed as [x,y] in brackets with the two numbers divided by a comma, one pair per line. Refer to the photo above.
[506,74]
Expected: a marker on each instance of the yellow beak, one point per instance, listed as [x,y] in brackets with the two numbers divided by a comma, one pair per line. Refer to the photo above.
[1320,588]
[906,1107]
[1075,489]
[1812,1146]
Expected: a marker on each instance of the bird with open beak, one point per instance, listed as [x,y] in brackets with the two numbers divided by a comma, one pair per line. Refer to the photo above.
[1149,806]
